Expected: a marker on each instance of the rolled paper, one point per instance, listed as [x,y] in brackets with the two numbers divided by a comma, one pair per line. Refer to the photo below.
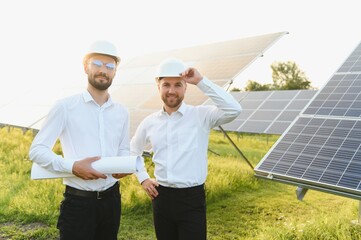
[106,165]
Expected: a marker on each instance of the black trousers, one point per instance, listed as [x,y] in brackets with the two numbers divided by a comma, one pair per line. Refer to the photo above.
[180,213]
[90,218]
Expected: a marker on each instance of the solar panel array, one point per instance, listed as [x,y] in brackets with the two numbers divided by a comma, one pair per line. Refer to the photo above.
[269,112]
[220,62]
[134,85]
[322,149]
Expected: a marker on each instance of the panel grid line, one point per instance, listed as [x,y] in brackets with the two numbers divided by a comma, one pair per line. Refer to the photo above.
[347,168]
[255,110]
[331,160]
[289,103]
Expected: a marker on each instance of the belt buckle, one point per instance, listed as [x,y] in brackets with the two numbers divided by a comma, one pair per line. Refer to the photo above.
[98,196]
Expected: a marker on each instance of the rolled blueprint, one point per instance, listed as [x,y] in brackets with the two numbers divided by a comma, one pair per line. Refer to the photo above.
[106,165]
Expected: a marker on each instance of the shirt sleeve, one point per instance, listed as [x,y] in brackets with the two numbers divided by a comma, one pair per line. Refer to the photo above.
[137,145]
[226,108]
[41,149]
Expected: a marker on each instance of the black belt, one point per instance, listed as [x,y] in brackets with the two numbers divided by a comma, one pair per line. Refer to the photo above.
[93,194]
[182,191]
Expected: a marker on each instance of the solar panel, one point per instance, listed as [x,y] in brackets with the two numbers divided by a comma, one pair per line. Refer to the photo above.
[321,150]
[134,85]
[31,108]
[220,62]
[269,112]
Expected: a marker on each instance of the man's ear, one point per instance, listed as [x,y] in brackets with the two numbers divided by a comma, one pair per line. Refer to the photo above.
[157,81]
[86,68]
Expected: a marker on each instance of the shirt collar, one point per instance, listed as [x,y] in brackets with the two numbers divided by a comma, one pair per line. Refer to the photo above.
[88,98]
[182,109]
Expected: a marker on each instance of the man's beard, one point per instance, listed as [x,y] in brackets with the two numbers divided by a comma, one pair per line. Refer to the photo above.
[100,85]
[174,103]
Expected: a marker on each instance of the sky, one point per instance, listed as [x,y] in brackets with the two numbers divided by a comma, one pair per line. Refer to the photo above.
[43,41]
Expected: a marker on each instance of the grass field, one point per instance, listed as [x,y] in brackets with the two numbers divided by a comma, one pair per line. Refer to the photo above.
[239,205]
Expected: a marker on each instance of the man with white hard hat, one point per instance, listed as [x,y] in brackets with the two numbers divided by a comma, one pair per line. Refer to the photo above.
[178,134]
[89,126]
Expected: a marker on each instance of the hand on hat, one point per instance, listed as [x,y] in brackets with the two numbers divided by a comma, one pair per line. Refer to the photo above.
[191,75]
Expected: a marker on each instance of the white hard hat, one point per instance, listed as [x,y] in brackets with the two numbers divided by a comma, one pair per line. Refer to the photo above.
[170,67]
[102,47]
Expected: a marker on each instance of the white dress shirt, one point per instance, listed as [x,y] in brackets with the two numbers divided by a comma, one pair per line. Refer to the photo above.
[85,129]
[180,140]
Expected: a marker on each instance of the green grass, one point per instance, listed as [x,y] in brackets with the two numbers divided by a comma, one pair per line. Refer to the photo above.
[239,205]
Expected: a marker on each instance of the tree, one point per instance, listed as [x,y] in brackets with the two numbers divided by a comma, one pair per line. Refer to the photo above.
[255,86]
[235,89]
[288,76]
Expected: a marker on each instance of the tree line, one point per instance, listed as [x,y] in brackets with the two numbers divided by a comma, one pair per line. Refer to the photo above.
[285,75]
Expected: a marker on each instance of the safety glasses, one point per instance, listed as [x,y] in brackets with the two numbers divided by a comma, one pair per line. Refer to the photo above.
[99,64]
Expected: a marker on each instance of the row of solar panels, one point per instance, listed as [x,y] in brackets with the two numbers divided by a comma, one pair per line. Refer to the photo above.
[269,112]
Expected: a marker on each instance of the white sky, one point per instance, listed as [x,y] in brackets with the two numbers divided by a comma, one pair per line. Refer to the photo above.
[43,41]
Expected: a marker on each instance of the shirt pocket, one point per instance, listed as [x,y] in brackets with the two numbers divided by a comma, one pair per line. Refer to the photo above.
[188,139]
